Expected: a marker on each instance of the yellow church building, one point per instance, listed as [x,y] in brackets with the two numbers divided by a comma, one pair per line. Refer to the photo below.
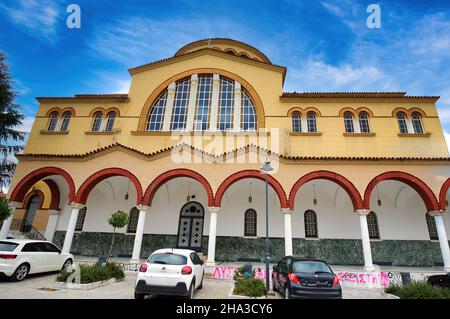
[359,178]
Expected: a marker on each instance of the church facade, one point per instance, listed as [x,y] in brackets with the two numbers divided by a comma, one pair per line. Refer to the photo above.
[358,178]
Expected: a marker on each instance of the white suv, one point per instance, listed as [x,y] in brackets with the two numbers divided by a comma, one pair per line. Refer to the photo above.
[176,272]
[21,257]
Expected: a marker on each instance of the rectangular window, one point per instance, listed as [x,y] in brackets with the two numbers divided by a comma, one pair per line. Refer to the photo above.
[226,105]
[80,219]
[201,119]
[181,101]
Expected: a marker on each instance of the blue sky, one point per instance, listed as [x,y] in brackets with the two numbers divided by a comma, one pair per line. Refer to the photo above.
[326,45]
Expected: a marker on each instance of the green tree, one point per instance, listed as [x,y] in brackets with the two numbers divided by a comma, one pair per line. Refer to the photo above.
[10,118]
[117,220]
[4,210]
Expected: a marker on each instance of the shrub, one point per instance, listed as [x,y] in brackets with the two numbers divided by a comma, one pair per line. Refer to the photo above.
[249,287]
[243,272]
[419,290]
[94,273]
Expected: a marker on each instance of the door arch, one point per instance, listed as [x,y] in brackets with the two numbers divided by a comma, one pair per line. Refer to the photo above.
[190,227]
[34,204]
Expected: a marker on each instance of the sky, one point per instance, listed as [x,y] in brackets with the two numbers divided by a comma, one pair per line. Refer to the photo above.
[326,45]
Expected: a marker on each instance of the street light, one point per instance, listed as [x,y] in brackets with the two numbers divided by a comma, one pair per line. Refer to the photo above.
[265,170]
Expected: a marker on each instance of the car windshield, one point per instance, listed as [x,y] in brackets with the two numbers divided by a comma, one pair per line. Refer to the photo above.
[6,246]
[167,259]
[308,266]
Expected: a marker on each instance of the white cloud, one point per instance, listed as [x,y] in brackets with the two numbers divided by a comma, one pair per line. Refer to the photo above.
[447,139]
[27,124]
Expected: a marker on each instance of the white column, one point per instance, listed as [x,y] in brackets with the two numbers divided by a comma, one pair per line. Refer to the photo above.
[7,222]
[191,105]
[409,126]
[443,241]
[237,107]
[169,106]
[212,236]
[367,252]
[135,258]
[287,231]
[71,227]
[53,216]
[356,126]
[214,103]
[304,123]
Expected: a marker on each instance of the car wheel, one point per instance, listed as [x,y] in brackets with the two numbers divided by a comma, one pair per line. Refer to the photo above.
[20,273]
[287,294]
[67,264]
[138,296]
[191,290]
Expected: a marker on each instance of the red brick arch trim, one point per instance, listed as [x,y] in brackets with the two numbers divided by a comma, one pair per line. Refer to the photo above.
[443,194]
[417,184]
[250,174]
[89,184]
[175,173]
[54,193]
[21,189]
[342,181]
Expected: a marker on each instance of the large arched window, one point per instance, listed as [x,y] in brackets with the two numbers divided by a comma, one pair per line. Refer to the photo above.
[66,121]
[248,113]
[226,105]
[53,121]
[431,224]
[348,122]
[110,121]
[372,224]
[417,123]
[133,220]
[180,105]
[97,123]
[364,122]
[250,223]
[401,119]
[296,122]
[156,116]
[80,219]
[311,224]
[311,121]
[202,111]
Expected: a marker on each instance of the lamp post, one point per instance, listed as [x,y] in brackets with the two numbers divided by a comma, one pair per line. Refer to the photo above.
[265,170]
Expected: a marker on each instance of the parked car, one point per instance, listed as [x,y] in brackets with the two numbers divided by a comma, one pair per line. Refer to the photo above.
[177,272]
[442,281]
[300,277]
[21,257]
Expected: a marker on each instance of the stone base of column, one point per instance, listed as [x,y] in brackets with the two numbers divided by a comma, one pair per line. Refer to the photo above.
[135,261]
[369,268]
[210,263]
[447,269]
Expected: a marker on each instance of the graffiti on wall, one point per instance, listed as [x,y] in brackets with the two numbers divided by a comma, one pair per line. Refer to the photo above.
[378,279]
[227,272]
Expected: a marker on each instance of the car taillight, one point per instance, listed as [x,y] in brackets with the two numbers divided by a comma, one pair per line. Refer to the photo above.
[336,281]
[8,256]
[143,268]
[186,270]
[293,278]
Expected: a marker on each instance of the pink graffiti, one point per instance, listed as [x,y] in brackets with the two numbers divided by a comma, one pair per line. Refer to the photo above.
[376,279]
[227,272]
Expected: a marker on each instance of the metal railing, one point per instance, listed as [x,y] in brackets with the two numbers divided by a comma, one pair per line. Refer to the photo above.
[27,230]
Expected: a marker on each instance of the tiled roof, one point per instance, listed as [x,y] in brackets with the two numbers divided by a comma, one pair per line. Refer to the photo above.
[86,96]
[232,152]
[352,95]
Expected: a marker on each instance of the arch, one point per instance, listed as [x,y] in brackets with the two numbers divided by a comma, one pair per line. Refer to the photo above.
[169,175]
[146,109]
[89,184]
[443,194]
[417,184]
[348,109]
[250,174]
[54,193]
[413,110]
[293,110]
[230,51]
[30,195]
[348,186]
[53,109]
[19,192]
[366,110]
[113,109]
[97,109]
[398,110]
[312,109]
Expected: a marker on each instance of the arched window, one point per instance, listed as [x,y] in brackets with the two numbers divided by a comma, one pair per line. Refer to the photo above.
[180,105]
[33,205]
[96,125]
[53,121]
[80,219]
[156,116]
[417,123]
[372,224]
[250,223]
[311,224]
[202,111]
[248,114]
[296,122]
[431,224]
[65,121]
[348,122]
[110,121]
[401,119]
[311,121]
[226,105]
[364,122]
[133,220]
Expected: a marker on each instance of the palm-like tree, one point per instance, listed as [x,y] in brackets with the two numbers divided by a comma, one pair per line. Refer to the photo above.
[10,118]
